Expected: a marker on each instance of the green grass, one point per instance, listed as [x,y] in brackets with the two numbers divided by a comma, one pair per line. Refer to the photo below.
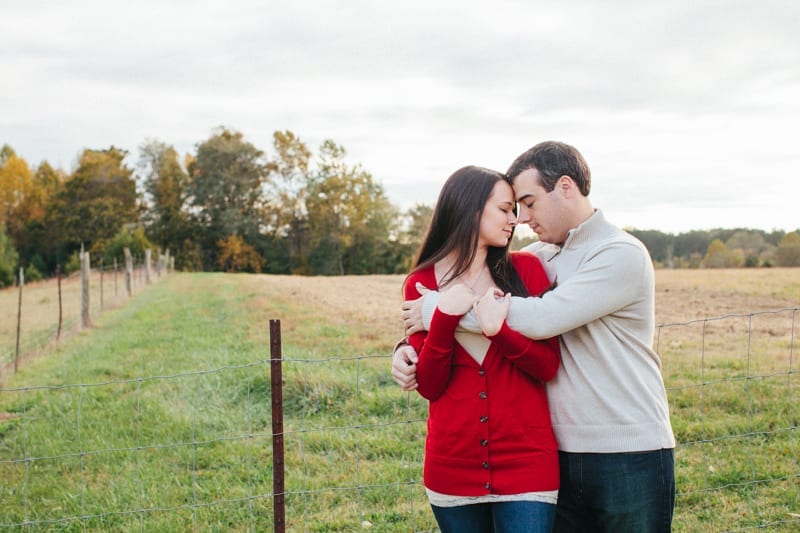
[159,419]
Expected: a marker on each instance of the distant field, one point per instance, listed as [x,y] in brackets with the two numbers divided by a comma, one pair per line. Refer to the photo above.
[158,418]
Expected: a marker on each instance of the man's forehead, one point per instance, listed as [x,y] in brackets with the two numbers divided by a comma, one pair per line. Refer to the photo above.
[526,186]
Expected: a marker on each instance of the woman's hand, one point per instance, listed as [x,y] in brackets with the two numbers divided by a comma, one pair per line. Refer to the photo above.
[491,310]
[456,299]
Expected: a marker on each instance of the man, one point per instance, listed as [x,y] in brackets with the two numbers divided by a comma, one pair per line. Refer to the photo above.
[608,402]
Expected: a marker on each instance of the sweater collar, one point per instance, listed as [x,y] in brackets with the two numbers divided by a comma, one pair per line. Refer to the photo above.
[585,230]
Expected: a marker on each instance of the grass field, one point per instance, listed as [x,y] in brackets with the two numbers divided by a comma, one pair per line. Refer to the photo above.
[158,418]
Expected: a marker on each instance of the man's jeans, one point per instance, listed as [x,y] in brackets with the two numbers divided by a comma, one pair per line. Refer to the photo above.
[619,492]
[500,517]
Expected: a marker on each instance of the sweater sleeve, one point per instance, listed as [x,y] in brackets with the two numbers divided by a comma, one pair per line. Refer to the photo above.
[435,348]
[609,280]
[537,358]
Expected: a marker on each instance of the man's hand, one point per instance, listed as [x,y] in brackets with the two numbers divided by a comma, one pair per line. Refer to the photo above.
[412,312]
[404,367]
[456,299]
[491,310]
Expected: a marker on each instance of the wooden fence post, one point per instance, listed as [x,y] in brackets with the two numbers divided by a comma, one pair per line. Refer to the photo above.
[85,319]
[115,276]
[101,283]
[148,257]
[128,270]
[60,305]
[19,317]
[276,389]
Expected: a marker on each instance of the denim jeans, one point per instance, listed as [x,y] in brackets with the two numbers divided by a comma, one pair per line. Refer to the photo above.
[619,492]
[499,517]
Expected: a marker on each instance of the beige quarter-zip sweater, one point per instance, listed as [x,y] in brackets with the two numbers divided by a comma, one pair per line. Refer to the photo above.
[608,395]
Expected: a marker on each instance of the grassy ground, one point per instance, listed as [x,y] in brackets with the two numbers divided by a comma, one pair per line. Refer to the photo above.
[158,418]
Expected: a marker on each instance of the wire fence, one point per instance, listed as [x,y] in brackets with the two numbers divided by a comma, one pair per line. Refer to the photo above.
[339,448]
[38,314]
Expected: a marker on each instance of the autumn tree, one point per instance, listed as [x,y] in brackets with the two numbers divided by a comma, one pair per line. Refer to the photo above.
[288,190]
[235,255]
[788,252]
[350,218]
[8,259]
[24,196]
[96,201]
[720,256]
[16,184]
[165,183]
[752,245]
[226,190]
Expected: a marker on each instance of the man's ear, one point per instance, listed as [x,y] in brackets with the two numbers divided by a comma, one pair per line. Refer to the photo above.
[566,185]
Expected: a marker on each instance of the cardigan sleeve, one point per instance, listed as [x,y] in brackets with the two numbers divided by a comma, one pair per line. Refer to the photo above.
[435,348]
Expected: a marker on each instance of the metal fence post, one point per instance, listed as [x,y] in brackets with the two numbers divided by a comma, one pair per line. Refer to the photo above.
[276,390]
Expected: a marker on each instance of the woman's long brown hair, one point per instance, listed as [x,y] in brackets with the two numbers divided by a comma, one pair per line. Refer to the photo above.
[455,226]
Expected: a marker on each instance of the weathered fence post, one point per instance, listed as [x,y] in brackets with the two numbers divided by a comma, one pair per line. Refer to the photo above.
[60,305]
[276,389]
[19,317]
[128,270]
[85,267]
[101,283]
[115,276]
[148,257]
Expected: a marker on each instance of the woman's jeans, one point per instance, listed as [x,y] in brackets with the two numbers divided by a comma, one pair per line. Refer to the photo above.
[630,492]
[498,517]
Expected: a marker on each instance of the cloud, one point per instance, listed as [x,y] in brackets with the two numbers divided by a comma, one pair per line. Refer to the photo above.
[683,104]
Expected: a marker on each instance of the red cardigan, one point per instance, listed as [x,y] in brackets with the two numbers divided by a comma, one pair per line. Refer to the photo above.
[489,429]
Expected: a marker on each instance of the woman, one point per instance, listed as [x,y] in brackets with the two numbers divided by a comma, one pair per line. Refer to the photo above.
[491,460]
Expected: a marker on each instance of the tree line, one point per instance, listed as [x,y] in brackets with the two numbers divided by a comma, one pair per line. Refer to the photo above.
[230,206]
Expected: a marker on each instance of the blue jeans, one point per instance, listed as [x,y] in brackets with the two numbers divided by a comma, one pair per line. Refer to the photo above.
[500,517]
[630,492]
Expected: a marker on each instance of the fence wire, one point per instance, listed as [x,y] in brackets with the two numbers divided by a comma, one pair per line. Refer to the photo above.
[354,442]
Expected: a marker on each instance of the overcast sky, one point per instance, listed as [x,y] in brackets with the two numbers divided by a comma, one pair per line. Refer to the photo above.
[686,110]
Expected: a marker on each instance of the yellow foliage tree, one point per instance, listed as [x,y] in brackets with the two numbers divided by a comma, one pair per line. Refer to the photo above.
[16,184]
[235,255]
[719,255]
[788,252]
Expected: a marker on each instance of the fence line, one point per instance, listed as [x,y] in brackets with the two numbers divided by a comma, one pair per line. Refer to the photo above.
[28,341]
[728,470]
